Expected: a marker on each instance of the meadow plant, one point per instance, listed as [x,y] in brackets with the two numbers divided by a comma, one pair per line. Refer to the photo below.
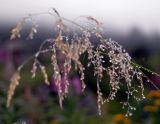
[106,56]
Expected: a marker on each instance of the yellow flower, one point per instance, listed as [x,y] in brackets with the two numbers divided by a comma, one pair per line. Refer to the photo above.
[119,118]
[54,122]
[153,94]
[157,102]
[150,108]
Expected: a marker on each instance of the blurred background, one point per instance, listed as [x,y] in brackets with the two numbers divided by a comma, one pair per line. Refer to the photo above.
[133,24]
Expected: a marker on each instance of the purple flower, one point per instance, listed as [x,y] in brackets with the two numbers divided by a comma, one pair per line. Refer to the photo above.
[77,85]
[4,55]
[74,82]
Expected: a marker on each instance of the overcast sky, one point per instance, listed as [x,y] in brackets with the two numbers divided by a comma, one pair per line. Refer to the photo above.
[122,14]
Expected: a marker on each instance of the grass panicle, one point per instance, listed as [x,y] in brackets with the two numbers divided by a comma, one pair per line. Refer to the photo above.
[74,43]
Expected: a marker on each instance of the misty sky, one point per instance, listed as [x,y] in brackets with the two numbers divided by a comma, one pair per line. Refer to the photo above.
[122,14]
